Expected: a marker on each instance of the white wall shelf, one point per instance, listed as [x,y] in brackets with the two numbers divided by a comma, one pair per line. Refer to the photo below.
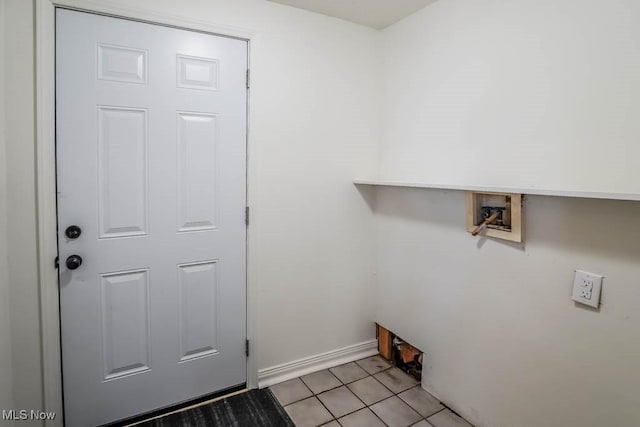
[532,191]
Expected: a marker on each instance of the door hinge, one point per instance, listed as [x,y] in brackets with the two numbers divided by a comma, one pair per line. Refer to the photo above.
[56,262]
[246,348]
[246,215]
[248,78]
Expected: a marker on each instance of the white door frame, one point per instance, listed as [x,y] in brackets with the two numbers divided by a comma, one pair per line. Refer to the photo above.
[46,180]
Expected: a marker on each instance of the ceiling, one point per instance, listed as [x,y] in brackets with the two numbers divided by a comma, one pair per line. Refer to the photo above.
[378,14]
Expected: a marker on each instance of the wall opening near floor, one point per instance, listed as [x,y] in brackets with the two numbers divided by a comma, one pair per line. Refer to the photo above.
[399,352]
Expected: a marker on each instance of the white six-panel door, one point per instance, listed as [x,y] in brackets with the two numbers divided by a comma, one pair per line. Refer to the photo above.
[151,164]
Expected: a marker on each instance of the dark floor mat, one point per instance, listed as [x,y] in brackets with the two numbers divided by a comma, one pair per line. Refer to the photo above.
[254,408]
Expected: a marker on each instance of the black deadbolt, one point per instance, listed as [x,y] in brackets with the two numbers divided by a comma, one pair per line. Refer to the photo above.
[73,262]
[73,232]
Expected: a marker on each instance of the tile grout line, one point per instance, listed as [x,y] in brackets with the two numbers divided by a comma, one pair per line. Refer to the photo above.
[300,400]
[401,399]
[361,401]
[313,394]
[437,412]
[346,384]
[358,397]
[422,418]
[320,400]
[343,384]
[355,395]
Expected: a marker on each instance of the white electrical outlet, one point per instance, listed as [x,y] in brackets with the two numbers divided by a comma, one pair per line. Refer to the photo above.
[586,288]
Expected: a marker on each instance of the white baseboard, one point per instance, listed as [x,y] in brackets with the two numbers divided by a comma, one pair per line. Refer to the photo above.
[308,365]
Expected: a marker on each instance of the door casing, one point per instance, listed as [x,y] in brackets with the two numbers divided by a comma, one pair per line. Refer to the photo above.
[46,179]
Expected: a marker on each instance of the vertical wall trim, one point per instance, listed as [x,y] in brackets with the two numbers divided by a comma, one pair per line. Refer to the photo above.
[5,319]
[46,206]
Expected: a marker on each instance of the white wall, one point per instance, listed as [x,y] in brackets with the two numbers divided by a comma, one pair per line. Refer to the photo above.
[524,93]
[21,206]
[313,122]
[505,345]
[6,384]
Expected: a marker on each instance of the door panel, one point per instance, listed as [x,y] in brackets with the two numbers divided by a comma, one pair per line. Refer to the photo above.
[151,163]
[197,73]
[123,185]
[197,141]
[125,323]
[198,285]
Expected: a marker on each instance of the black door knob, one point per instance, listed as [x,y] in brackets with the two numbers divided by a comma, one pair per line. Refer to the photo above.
[73,232]
[73,262]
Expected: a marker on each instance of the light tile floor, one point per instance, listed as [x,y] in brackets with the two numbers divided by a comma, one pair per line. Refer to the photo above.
[365,393]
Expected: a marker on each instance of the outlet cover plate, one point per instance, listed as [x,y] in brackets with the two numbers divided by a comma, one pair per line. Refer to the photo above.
[586,288]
